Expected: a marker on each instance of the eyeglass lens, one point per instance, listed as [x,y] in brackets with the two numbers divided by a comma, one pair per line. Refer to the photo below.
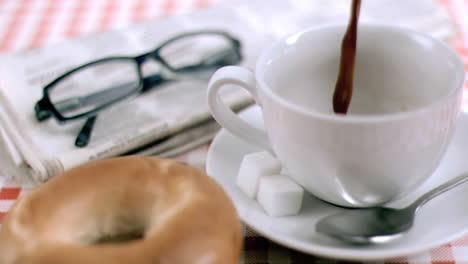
[199,52]
[95,85]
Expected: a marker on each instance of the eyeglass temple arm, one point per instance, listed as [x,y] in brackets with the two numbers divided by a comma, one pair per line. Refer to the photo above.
[95,98]
[84,136]
[119,91]
[114,92]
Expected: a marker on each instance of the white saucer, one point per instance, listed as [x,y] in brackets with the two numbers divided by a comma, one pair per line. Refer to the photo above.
[440,221]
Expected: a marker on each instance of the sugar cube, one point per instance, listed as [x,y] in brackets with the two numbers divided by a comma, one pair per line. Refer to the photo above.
[253,167]
[279,195]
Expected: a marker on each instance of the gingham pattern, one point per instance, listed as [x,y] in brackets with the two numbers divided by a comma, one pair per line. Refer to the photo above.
[32,23]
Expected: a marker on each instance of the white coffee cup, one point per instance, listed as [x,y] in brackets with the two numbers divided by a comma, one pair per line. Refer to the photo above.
[405,104]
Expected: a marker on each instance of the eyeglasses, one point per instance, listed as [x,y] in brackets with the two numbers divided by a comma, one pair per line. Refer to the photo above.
[94,86]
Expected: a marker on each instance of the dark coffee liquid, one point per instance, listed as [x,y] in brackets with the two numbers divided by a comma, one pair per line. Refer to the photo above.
[344,82]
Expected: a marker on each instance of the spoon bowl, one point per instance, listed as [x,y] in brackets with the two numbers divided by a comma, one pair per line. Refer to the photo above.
[379,224]
[367,225]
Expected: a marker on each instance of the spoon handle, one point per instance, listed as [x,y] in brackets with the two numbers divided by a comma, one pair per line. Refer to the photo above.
[439,190]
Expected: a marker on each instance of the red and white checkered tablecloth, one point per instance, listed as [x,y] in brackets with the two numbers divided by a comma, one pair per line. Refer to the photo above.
[27,24]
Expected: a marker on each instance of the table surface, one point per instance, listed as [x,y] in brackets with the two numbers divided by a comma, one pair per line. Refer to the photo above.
[26,24]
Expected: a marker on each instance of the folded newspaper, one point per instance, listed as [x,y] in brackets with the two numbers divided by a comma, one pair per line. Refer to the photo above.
[175,117]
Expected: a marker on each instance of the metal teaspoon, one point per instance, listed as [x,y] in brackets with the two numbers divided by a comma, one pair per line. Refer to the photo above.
[378,224]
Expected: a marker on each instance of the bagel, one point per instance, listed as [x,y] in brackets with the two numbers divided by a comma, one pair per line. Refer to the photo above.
[164,211]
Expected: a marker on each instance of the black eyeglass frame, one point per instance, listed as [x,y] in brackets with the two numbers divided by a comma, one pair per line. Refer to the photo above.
[44,108]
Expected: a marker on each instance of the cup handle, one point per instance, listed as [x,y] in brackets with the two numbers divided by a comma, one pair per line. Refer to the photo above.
[244,78]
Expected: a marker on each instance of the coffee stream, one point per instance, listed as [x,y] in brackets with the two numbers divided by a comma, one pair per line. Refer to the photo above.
[344,82]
